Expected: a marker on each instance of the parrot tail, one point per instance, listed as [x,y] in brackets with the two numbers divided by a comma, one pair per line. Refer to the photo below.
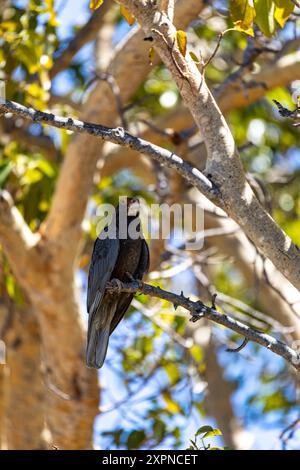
[98,337]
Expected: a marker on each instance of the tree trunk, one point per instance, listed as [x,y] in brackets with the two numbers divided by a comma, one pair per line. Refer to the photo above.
[24,410]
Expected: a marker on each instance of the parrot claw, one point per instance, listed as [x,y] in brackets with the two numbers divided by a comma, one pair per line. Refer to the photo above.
[115,284]
[130,276]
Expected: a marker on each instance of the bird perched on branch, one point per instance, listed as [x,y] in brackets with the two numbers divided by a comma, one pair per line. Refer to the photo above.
[120,252]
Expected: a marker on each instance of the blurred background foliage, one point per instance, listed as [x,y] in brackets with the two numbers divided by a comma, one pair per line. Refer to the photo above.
[153,388]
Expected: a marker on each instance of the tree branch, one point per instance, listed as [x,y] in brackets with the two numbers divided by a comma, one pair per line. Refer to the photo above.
[120,137]
[199,310]
[86,34]
[224,166]
[167,7]
[17,239]
[190,173]
[63,224]
[233,96]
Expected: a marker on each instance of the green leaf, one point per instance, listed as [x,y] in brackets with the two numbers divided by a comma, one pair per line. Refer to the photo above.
[135,439]
[127,15]
[242,14]
[95,4]
[283,9]
[159,429]
[208,431]
[31,176]
[264,18]
[194,57]
[203,430]
[197,352]
[4,173]
[213,433]
[46,168]
[181,41]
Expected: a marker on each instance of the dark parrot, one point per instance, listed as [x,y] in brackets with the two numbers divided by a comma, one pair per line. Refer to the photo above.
[117,257]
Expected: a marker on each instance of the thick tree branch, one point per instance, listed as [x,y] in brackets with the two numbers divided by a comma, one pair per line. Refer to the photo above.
[51,292]
[199,310]
[167,7]
[86,34]
[63,224]
[233,96]
[16,238]
[289,265]
[223,166]
[120,137]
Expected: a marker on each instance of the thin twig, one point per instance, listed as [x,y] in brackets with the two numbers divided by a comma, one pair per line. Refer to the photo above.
[244,343]
[110,79]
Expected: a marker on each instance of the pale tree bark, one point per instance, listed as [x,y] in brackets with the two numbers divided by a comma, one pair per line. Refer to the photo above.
[191,175]
[218,400]
[3,386]
[76,175]
[104,40]
[43,263]
[218,390]
[233,96]
[224,167]
[279,73]
[24,403]
[86,34]
[72,397]
[276,296]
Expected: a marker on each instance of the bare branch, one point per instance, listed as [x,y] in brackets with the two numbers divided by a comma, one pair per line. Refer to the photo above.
[199,310]
[238,349]
[16,238]
[64,220]
[286,256]
[167,7]
[120,137]
[86,34]
[232,96]
[223,165]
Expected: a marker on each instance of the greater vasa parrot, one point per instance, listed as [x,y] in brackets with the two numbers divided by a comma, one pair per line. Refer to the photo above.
[114,257]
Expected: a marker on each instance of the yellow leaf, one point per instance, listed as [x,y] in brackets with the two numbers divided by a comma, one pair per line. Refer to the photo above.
[240,26]
[242,11]
[171,405]
[181,41]
[283,9]
[95,4]
[52,20]
[127,15]
[151,55]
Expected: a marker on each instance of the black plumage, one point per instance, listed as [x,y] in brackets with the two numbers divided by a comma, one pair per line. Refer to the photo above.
[113,258]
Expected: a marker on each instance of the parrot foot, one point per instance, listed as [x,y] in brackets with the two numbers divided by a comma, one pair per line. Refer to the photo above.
[115,284]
